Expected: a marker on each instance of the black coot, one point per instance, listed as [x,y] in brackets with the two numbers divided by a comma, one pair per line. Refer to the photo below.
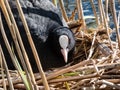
[53,40]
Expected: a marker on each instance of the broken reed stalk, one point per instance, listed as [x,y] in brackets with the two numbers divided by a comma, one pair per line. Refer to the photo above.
[12,28]
[45,83]
[72,17]
[106,24]
[94,11]
[115,21]
[80,12]
[64,14]
[23,49]
[6,68]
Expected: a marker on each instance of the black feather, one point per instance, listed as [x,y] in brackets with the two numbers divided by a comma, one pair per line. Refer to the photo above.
[45,24]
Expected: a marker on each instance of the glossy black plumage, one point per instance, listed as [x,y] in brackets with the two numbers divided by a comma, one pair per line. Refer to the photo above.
[46,25]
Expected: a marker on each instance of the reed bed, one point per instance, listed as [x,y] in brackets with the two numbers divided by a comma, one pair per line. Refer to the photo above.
[96,64]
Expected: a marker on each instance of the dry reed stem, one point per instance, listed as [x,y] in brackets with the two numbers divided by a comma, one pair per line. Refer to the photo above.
[74,78]
[80,83]
[94,11]
[72,17]
[22,47]
[13,32]
[91,52]
[20,41]
[111,84]
[6,40]
[106,10]
[80,12]
[8,47]
[6,69]
[106,24]
[114,55]
[105,66]
[11,26]
[92,46]
[32,46]
[54,2]
[2,69]
[119,19]
[63,10]
[101,66]
[60,72]
[100,11]
[22,87]
[74,23]
[78,9]
[115,21]
[110,76]
[102,47]
[109,80]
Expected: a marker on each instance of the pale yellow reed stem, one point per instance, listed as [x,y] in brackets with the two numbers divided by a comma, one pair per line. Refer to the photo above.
[80,12]
[63,10]
[32,46]
[16,31]
[106,23]
[100,11]
[115,21]
[94,11]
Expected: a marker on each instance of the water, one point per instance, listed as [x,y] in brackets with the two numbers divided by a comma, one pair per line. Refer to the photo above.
[87,10]
[88,13]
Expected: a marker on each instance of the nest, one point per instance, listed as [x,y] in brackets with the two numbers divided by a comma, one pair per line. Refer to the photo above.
[96,65]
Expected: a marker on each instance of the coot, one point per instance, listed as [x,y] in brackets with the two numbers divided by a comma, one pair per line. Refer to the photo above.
[54,41]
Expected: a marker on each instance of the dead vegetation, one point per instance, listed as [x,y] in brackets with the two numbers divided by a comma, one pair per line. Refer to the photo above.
[96,63]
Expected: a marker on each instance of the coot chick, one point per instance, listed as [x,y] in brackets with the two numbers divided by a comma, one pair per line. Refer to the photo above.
[53,40]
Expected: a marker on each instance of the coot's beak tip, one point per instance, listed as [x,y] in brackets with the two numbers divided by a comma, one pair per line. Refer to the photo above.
[65,54]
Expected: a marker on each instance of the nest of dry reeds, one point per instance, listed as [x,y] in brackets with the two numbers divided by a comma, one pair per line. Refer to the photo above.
[96,62]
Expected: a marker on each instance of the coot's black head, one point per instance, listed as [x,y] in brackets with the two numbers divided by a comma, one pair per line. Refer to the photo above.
[63,42]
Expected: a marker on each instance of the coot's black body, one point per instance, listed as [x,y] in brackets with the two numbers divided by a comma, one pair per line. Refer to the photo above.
[46,25]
